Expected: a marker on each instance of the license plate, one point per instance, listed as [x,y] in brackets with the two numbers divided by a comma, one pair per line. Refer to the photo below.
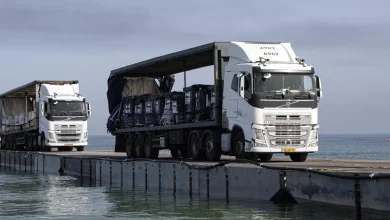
[289,149]
[69,145]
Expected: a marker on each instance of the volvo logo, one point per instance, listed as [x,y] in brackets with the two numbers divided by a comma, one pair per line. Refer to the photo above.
[287,104]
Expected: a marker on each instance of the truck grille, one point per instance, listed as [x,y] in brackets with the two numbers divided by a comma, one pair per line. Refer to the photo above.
[61,138]
[68,133]
[288,136]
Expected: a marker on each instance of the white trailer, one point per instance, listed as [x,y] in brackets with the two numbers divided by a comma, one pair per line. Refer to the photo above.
[266,103]
[42,115]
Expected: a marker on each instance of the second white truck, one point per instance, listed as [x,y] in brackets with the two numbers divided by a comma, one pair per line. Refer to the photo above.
[265,101]
[42,115]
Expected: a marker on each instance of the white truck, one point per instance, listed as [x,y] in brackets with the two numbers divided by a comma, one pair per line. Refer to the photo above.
[266,103]
[42,115]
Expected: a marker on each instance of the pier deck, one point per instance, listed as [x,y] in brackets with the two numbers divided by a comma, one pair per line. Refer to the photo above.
[357,184]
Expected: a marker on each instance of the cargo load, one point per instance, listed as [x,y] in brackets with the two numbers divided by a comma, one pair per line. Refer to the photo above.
[139,118]
[128,108]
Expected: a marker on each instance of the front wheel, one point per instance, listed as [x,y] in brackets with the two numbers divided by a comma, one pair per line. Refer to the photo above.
[298,157]
[81,148]
[238,145]
[44,147]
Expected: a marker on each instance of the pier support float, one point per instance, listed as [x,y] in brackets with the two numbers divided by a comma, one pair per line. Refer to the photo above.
[225,180]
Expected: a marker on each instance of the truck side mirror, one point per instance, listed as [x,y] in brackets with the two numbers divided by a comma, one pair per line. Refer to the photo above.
[319,87]
[89,111]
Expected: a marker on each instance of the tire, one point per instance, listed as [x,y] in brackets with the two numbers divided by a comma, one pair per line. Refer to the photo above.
[298,157]
[28,142]
[265,157]
[14,143]
[80,148]
[60,149]
[195,144]
[34,142]
[43,146]
[129,146]
[139,147]
[149,151]
[174,153]
[8,143]
[212,149]
[238,146]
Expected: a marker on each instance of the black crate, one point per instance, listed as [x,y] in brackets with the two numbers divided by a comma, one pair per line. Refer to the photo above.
[149,110]
[212,102]
[167,116]
[139,111]
[202,111]
[158,107]
[178,107]
[127,112]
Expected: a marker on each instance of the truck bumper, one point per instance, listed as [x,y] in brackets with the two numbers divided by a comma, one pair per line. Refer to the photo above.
[54,145]
[286,150]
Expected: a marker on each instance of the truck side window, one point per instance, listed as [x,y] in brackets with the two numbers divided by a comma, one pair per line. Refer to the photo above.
[247,86]
[235,83]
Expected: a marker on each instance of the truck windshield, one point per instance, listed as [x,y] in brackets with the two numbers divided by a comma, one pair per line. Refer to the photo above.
[67,108]
[284,83]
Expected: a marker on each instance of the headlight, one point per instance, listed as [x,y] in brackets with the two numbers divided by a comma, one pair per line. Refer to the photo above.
[85,135]
[259,134]
[51,135]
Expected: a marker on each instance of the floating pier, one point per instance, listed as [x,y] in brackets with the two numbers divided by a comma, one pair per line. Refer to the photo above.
[357,184]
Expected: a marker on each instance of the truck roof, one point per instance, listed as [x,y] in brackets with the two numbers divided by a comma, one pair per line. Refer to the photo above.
[189,59]
[29,88]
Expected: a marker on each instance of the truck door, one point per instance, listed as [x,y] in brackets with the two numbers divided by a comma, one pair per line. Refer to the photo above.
[43,122]
[231,97]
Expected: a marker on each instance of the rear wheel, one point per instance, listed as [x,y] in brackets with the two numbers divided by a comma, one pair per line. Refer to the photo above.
[212,149]
[28,142]
[298,157]
[265,157]
[14,143]
[150,152]
[196,147]
[80,148]
[129,146]
[139,147]
[60,148]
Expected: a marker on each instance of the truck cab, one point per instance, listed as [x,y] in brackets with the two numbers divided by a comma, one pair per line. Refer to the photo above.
[63,115]
[270,100]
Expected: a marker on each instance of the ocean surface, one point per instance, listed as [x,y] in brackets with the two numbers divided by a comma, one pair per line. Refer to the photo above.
[37,196]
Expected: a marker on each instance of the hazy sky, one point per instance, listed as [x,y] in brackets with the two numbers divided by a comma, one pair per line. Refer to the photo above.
[348,42]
